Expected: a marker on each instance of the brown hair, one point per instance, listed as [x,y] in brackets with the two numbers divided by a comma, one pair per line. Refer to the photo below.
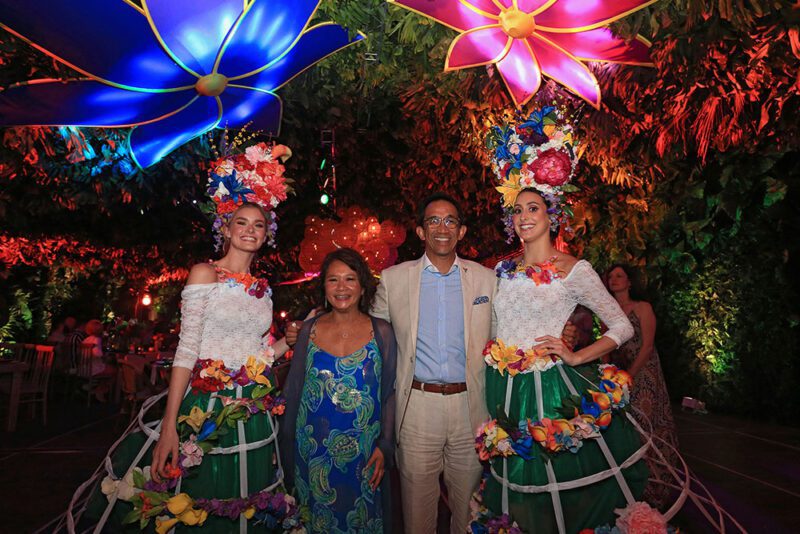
[355,261]
[635,291]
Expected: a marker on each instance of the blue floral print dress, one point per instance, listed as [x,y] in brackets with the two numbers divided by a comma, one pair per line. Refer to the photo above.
[338,425]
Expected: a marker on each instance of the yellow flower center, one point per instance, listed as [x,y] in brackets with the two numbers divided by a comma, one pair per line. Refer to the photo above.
[211,84]
[516,23]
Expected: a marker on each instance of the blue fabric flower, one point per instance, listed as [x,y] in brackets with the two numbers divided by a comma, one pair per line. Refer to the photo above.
[536,120]
[236,189]
[589,407]
[523,447]
[207,429]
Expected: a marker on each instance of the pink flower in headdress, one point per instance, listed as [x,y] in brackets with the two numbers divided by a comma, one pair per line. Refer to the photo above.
[257,153]
[551,167]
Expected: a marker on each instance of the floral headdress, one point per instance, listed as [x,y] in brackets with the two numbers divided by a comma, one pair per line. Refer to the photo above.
[253,176]
[535,153]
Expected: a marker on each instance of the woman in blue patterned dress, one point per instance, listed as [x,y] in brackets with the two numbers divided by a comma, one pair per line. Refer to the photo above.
[337,435]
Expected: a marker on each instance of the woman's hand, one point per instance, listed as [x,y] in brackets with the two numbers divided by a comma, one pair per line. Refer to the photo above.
[167,447]
[377,473]
[554,345]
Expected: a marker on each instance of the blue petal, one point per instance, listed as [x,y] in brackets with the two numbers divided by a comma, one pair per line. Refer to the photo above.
[242,105]
[315,44]
[194,30]
[151,142]
[267,31]
[106,39]
[84,103]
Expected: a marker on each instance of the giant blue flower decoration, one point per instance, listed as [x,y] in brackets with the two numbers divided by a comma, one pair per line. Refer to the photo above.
[174,69]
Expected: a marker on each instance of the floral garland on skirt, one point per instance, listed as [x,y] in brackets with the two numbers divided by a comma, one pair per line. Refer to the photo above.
[588,414]
[199,432]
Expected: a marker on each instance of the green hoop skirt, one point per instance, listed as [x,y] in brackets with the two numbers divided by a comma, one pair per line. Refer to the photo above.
[218,475]
[591,504]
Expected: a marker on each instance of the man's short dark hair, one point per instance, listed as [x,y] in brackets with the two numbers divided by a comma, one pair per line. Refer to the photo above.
[433,198]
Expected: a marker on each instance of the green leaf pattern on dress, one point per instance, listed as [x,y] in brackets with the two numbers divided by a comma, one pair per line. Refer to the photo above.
[349,386]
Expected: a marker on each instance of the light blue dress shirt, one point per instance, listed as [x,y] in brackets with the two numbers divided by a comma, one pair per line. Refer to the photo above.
[441,355]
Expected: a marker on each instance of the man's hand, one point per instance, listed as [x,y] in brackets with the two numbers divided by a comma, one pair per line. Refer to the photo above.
[292,330]
[570,335]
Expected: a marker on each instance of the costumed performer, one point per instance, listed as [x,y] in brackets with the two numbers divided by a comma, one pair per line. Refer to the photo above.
[213,466]
[560,459]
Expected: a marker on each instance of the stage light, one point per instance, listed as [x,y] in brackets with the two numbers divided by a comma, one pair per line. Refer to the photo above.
[146,299]
[283,315]
[324,199]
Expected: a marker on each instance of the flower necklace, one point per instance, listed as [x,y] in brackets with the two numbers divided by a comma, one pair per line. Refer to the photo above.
[257,287]
[540,273]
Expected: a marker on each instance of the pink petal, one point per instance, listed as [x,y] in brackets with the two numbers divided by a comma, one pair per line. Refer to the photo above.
[451,13]
[477,47]
[582,15]
[602,45]
[487,6]
[567,70]
[531,6]
[520,72]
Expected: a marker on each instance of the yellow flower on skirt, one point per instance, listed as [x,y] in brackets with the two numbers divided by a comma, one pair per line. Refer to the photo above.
[255,371]
[195,419]
[504,355]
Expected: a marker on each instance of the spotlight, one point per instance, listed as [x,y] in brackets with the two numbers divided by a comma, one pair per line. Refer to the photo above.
[283,315]
[324,199]
[146,299]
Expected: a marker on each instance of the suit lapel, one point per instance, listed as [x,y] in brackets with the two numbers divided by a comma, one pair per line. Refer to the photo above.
[414,284]
[466,294]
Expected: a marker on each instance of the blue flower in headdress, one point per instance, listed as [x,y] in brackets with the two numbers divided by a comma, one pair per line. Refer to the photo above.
[536,120]
[172,69]
[235,189]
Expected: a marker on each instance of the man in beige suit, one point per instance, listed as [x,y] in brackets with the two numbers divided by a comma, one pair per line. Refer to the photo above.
[441,311]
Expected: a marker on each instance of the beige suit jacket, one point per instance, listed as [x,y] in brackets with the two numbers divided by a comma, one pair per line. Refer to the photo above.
[397,301]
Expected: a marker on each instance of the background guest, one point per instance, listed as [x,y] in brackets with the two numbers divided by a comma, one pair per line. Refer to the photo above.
[640,358]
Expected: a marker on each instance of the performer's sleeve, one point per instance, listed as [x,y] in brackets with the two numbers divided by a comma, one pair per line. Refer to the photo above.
[194,302]
[588,289]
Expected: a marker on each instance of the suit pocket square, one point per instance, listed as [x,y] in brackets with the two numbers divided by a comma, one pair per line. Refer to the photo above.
[480,300]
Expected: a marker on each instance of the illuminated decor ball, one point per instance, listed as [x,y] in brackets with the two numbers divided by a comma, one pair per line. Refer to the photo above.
[324,199]
[146,299]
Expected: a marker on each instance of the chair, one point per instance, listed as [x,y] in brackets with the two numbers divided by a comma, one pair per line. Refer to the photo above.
[134,386]
[36,380]
[84,371]
[36,384]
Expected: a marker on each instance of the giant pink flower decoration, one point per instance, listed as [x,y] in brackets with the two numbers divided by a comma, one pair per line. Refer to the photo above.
[528,38]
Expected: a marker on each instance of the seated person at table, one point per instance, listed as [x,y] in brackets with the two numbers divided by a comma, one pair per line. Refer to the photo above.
[94,331]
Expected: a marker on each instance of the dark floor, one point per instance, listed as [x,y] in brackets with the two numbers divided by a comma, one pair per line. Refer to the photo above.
[751,468]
